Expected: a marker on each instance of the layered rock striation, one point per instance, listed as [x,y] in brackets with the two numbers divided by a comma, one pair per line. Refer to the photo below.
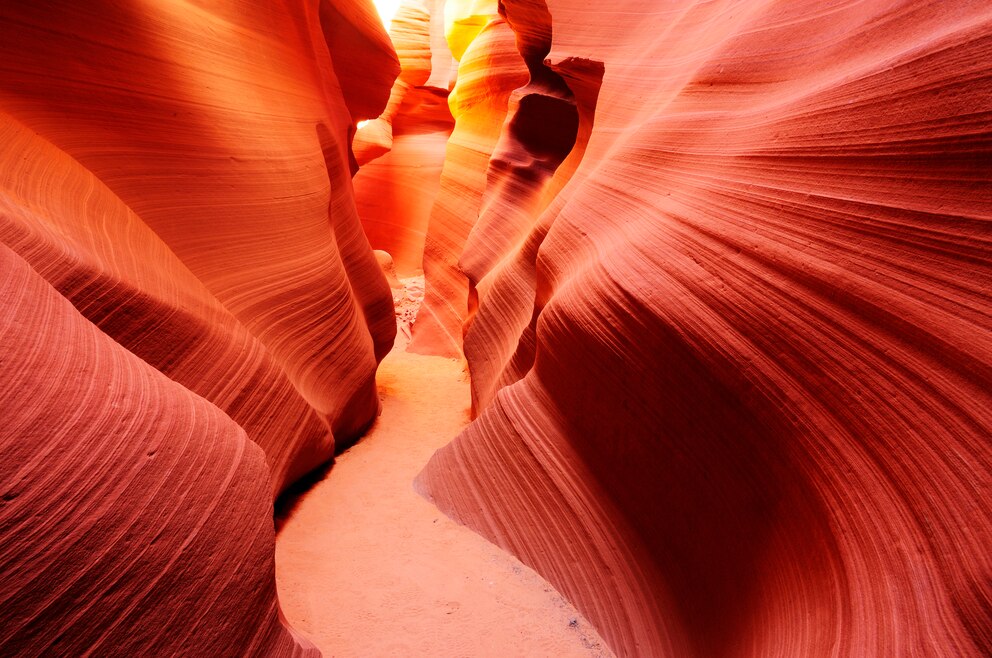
[185,281]
[731,356]
[490,68]
[135,515]
[720,271]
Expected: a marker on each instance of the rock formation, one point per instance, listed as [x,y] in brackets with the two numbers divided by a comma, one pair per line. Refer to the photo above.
[733,378]
[163,182]
[179,174]
[403,149]
[489,69]
[122,491]
[720,271]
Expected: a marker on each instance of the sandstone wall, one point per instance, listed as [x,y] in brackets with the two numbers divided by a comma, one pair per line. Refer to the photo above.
[184,277]
[733,377]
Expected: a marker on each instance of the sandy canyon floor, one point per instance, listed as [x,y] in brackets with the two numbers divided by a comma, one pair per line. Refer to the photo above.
[367,567]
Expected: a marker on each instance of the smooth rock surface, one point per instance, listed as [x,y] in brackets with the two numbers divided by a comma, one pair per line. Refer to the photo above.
[733,384]
[490,68]
[182,176]
[721,272]
[394,191]
[120,493]
[184,276]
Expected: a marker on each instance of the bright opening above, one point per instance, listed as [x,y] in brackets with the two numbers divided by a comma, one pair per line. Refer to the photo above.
[387,9]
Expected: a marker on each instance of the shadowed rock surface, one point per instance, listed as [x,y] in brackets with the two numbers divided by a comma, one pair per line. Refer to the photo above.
[733,383]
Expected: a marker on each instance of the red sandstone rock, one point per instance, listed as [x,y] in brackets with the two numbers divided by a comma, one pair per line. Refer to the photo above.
[410,35]
[135,516]
[395,193]
[185,185]
[722,268]
[179,174]
[362,56]
[734,383]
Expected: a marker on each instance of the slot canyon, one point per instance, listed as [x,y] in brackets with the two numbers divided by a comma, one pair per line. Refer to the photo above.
[502,328]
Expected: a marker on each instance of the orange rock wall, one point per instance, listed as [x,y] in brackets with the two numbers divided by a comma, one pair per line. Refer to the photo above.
[184,276]
[720,271]
[185,183]
[733,383]
[490,68]
[135,515]
[395,189]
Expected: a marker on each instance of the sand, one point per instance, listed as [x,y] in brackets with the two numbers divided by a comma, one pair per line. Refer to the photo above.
[367,567]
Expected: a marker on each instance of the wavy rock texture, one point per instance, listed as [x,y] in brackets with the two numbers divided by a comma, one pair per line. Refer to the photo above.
[179,173]
[543,139]
[490,68]
[362,55]
[734,381]
[394,192]
[120,491]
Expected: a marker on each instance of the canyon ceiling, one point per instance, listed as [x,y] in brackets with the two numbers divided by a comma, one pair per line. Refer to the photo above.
[720,271]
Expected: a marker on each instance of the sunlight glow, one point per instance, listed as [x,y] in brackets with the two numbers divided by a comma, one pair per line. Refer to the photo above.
[387,9]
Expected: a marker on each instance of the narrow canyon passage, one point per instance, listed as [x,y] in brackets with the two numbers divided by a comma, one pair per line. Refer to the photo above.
[367,567]
[721,272]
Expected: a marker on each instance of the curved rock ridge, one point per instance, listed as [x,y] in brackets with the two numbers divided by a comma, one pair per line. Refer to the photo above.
[547,126]
[364,61]
[120,492]
[180,173]
[490,69]
[120,275]
[735,380]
